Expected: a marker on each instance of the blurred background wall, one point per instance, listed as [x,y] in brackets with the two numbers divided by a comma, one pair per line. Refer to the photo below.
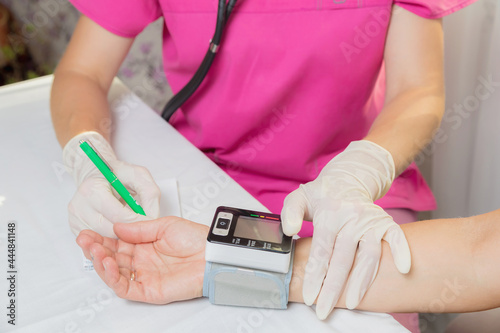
[462,164]
[35,33]
[465,172]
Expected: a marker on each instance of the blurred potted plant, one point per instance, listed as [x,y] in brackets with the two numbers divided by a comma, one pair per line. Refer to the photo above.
[16,62]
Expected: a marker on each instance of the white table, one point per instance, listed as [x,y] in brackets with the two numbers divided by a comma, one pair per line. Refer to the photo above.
[54,294]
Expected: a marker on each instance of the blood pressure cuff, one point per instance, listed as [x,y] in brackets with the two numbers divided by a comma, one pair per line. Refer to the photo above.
[240,286]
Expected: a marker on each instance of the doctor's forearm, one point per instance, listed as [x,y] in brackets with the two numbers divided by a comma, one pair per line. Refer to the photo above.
[78,104]
[82,79]
[455,268]
[414,95]
[407,123]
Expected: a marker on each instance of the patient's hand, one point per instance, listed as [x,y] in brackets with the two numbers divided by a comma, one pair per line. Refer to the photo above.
[167,257]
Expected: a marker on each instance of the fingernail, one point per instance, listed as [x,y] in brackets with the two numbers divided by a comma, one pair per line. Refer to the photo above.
[352,302]
[323,312]
[353,296]
[92,256]
[104,265]
[309,297]
[308,300]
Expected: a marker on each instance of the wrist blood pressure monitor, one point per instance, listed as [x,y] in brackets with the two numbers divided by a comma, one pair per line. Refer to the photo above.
[248,259]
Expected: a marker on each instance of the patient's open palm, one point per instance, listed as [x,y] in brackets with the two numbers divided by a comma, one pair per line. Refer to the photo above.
[159,261]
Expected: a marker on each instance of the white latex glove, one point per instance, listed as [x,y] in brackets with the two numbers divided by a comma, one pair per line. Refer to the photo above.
[339,202]
[96,205]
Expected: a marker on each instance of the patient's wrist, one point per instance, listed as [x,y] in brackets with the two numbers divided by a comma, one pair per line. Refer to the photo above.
[237,285]
[302,248]
[301,255]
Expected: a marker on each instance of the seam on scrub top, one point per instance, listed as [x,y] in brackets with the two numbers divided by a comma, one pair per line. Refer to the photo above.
[277,11]
[95,16]
[451,10]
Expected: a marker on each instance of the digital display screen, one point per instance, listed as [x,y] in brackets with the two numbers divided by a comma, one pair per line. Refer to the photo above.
[258,229]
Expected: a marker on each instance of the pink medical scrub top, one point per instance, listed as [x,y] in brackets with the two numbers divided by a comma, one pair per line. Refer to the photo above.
[293,83]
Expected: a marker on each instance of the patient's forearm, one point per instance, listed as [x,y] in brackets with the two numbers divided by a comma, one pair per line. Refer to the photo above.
[455,268]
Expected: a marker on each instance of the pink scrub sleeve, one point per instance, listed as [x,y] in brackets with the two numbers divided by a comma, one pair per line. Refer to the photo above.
[127,19]
[433,9]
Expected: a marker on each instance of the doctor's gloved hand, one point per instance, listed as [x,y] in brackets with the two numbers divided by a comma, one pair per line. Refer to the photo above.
[96,205]
[348,226]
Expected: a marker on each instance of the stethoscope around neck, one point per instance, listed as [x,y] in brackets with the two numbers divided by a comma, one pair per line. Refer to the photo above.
[223,13]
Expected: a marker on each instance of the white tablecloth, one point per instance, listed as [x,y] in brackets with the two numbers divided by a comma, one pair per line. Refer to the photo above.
[54,294]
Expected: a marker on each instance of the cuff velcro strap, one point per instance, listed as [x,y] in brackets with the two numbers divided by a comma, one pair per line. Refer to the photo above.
[239,286]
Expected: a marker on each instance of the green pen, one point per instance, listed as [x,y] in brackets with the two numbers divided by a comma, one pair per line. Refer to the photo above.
[105,169]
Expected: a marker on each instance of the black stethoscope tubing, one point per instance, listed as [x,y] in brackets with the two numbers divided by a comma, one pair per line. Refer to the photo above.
[223,13]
